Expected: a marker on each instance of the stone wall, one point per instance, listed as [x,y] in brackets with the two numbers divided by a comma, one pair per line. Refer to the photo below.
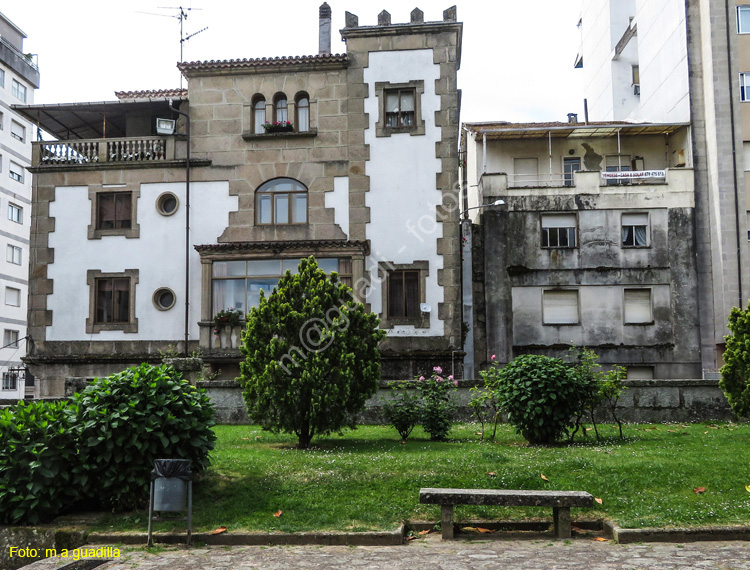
[644,401]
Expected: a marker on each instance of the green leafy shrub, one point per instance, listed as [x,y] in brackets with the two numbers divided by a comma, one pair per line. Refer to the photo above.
[311,356]
[541,396]
[437,406]
[402,410]
[128,419]
[40,474]
[485,402]
[735,374]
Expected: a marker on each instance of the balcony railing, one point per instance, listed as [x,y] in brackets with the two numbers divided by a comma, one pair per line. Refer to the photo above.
[95,151]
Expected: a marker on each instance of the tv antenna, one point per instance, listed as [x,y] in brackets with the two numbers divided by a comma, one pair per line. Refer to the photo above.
[181,15]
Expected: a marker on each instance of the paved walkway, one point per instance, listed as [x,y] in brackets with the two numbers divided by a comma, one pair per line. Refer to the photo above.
[433,553]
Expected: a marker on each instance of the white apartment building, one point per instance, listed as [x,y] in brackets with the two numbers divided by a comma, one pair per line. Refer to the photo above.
[19,76]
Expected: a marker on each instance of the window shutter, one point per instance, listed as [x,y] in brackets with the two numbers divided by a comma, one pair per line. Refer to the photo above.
[560,307]
[558,220]
[638,306]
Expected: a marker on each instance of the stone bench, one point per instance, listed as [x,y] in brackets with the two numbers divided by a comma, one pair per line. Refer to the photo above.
[560,501]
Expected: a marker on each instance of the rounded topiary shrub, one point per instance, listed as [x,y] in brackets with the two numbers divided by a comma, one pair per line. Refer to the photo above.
[131,418]
[540,395]
[40,474]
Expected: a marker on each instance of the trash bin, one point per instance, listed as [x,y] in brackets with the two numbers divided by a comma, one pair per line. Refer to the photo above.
[171,491]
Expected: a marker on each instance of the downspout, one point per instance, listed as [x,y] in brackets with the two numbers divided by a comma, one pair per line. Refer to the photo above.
[734,158]
[549,140]
[484,153]
[187,226]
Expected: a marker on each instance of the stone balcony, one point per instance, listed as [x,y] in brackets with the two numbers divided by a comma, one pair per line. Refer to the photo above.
[145,151]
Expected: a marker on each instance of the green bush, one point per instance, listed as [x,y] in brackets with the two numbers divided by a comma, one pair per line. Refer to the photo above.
[40,474]
[735,374]
[311,356]
[402,410]
[541,396]
[128,419]
[484,403]
[438,408]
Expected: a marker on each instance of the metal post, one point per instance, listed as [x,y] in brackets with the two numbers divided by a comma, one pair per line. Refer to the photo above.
[150,514]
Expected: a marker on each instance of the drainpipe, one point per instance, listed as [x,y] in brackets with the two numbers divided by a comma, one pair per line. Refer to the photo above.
[484,153]
[187,225]
[734,158]
[549,140]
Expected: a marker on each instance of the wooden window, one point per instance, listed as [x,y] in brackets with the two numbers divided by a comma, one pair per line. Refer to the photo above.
[112,300]
[303,112]
[114,210]
[281,201]
[280,109]
[399,108]
[259,115]
[403,294]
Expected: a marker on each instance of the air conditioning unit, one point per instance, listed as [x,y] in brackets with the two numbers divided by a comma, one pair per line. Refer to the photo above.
[636,89]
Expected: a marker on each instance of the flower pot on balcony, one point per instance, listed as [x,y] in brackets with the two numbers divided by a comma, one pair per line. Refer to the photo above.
[280,129]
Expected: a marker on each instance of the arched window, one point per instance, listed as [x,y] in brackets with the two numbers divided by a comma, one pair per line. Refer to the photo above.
[281,201]
[259,114]
[280,109]
[303,112]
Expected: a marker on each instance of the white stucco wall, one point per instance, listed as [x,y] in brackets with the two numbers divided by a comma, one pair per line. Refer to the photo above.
[403,196]
[158,254]
[339,201]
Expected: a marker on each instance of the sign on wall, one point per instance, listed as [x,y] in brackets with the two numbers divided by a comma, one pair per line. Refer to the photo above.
[628,174]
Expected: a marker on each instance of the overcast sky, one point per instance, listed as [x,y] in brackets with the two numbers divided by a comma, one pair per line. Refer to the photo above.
[517,61]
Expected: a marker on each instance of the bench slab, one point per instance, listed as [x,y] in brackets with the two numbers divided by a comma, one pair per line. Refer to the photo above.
[560,501]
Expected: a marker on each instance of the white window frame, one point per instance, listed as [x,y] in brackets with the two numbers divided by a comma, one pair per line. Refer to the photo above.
[743,8]
[14,254]
[745,86]
[15,172]
[550,297]
[17,131]
[558,224]
[10,338]
[15,213]
[635,297]
[19,91]
[11,292]
[10,381]
[633,220]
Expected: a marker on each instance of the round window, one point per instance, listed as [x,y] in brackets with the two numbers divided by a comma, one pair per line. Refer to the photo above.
[164,299]
[167,204]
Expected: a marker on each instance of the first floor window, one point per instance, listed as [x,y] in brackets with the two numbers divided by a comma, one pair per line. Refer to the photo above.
[114,210]
[19,91]
[635,230]
[281,201]
[237,284]
[10,339]
[15,213]
[14,254]
[637,306]
[12,297]
[399,108]
[403,294]
[10,380]
[112,300]
[558,230]
[560,307]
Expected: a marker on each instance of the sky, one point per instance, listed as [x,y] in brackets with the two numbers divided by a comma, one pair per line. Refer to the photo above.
[516,65]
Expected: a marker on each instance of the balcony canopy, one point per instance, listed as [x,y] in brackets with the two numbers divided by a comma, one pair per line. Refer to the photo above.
[498,131]
[98,120]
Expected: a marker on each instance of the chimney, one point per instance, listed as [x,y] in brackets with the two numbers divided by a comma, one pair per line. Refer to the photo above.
[572,117]
[324,44]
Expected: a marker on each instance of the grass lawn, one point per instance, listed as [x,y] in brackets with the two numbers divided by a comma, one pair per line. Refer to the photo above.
[368,479]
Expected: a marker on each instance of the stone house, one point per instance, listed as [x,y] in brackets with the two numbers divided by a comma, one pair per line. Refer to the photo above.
[142,235]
